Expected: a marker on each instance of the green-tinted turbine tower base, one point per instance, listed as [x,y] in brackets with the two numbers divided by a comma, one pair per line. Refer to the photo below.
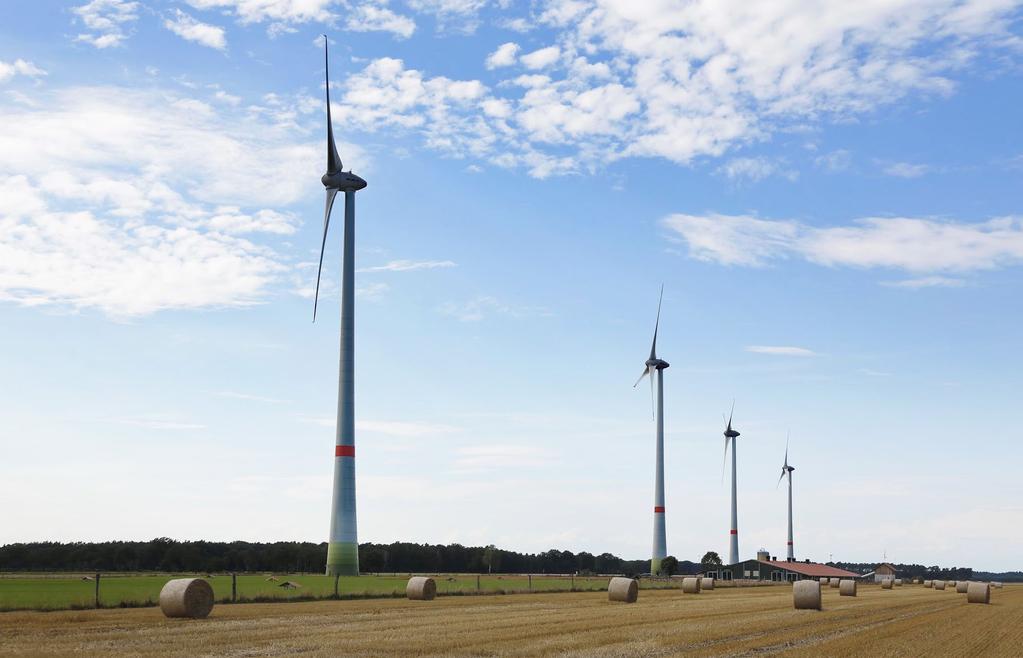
[342,559]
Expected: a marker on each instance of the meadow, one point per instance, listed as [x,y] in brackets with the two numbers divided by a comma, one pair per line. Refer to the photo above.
[908,621]
[71,592]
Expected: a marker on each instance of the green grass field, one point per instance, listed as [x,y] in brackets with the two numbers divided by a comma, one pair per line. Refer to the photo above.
[66,591]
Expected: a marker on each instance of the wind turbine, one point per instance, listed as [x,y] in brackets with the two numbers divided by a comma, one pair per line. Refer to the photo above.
[787,470]
[343,546]
[655,368]
[730,437]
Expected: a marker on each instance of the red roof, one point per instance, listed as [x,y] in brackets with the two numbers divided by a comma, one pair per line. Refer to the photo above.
[811,569]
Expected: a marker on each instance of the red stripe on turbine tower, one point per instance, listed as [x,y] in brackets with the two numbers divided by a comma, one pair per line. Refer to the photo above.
[658,510]
[344,451]
[790,543]
[734,531]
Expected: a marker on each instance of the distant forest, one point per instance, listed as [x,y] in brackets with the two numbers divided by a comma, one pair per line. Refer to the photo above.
[168,555]
[304,557]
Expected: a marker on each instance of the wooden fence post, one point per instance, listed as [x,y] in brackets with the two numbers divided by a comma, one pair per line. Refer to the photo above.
[477,583]
[234,588]
[530,576]
[97,591]
[337,580]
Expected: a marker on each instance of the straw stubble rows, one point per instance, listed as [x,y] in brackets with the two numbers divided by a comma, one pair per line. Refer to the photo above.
[910,621]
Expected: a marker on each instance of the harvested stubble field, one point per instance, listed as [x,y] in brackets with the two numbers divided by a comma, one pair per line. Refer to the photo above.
[910,621]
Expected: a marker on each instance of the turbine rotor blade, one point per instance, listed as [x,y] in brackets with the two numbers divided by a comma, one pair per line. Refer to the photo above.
[334,164]
[781,477]
[730,414]
[724,458]
[646,371]
[657,324]
[331,193]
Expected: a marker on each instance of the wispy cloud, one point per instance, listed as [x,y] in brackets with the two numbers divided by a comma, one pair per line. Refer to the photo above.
[19,67]
[368,17]
[926,282]
[372,292]
[190,29]
[409,265]
[480,307]
[107,21]
[919,245]
[485,457]
[906,170]
[780,350]
[756,169]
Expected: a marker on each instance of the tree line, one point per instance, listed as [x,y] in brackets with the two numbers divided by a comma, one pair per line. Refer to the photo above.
[912,570]
[168,555]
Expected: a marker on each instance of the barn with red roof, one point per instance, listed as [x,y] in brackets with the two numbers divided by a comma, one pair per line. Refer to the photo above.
[766,568]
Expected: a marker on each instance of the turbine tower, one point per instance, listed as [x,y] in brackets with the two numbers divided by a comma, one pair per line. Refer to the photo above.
[655,369]
[787,470]
[343,546]
[730,437]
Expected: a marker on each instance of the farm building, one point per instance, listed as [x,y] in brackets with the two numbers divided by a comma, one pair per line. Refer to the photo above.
[766,568]
[883,571]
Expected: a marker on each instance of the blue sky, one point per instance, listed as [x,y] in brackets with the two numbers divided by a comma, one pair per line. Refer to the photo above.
[829,195]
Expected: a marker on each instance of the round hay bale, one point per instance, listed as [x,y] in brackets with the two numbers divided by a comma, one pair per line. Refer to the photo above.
[996,585]
[963,586]
[186,597]
[898,582]
[951,583]
[978,593]
[928,583]
[806,595]
[708,583]
[691,585]
[834,582]
[887,583]
[939,584]
[421,588]
[625,590]
[847,587]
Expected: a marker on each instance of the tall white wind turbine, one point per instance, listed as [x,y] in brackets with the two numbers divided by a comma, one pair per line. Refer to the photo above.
[730,437]
[655,370]
[343,545]
[787,470]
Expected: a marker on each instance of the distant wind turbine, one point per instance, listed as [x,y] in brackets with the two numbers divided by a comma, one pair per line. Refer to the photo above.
[655,370]
[343,547]
[787,470]
[730,437]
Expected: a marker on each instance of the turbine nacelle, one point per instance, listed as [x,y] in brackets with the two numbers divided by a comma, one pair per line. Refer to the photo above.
[657,364]
[343,181]
[730,433]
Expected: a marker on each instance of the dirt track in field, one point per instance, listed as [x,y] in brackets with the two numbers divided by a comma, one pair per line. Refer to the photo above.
[906,621]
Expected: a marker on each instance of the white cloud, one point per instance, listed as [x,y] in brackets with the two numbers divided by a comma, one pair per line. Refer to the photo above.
[501,456]
[409,265]
[927,282]
[906,170]
[246,396]
[463,15]
[106,21]
[285,11]
[190,29]
[482,306]
[780,350]
[902,243]
[505,55]
[679,80]
[142,206]
[19,67]
[542,58]
[159,423]
[755,169]
[375,18]
[834,161]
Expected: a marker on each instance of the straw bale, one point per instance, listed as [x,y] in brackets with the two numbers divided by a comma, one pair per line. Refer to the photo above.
[806,595]
[421,588]
[625,590]
[186,597]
